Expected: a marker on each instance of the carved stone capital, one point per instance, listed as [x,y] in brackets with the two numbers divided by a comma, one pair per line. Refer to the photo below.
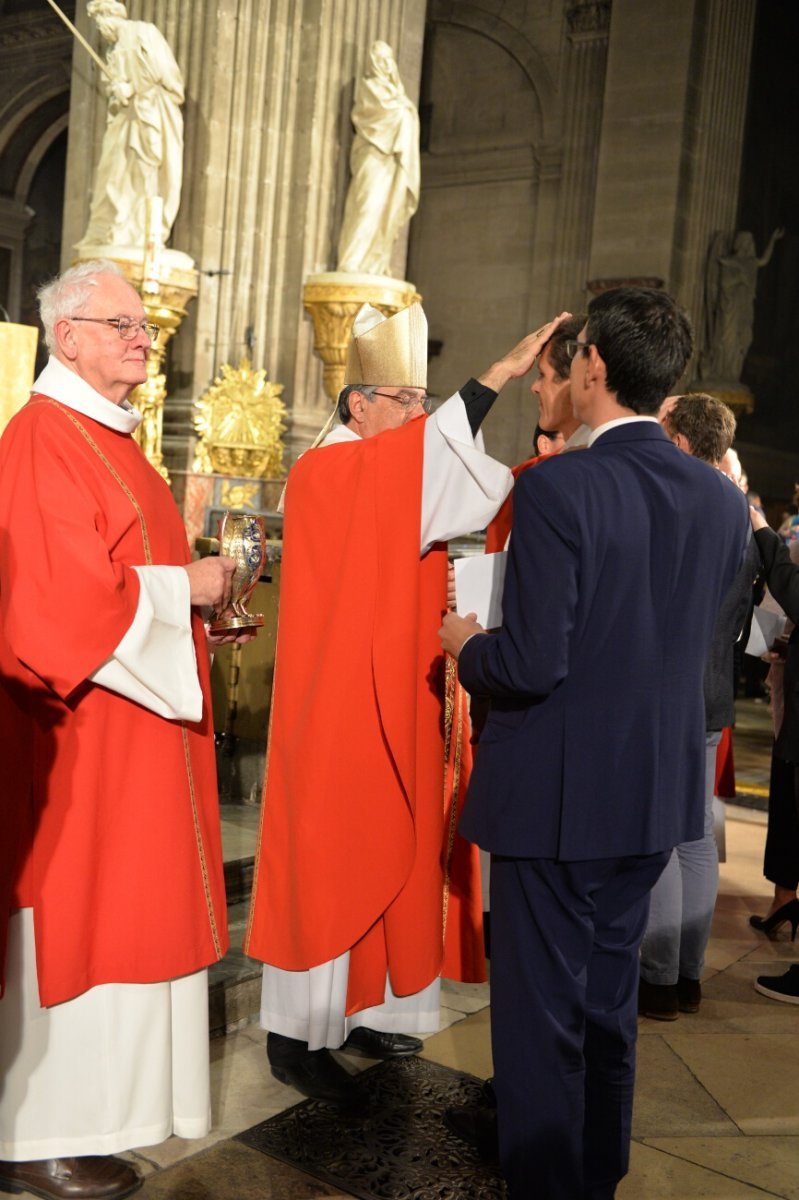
[588,19]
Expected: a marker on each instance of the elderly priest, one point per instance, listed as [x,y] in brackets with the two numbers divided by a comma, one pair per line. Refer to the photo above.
[110,848]
[364,894]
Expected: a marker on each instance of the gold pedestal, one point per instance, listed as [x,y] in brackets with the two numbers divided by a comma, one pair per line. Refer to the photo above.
[165,294]
[17,366]
[332,299]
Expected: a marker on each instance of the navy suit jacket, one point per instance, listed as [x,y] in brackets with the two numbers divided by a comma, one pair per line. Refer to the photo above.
[619,559]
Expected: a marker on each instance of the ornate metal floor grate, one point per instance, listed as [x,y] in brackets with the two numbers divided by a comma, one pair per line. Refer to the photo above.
[401,1151]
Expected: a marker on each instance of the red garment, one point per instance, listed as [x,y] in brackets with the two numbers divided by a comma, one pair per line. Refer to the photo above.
[499,529]
[725,767]
[110,818]
[354,826]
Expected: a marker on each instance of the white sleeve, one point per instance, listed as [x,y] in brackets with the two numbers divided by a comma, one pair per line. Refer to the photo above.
[155,663]
[462,488]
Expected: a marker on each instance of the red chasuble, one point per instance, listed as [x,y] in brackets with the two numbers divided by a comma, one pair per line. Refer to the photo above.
[358,849]
[499,529]
[110,822]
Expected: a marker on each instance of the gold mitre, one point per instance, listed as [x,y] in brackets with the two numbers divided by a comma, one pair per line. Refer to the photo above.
[391,351]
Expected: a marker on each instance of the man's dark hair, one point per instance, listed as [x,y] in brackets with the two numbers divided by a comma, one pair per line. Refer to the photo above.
[561,363]
[367,389]
[707,424]
[645,341]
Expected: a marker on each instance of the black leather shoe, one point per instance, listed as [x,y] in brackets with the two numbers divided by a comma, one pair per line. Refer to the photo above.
[477,1127]
[689,994]
[90,1177]
[314,1073]
[658,1001]
[372,1044]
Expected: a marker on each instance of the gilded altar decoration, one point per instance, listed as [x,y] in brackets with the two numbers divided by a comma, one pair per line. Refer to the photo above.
[239,422]
[240,495]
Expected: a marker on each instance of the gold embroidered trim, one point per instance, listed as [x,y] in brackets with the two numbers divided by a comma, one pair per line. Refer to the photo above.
[145,537]
[453,716]
[200,847]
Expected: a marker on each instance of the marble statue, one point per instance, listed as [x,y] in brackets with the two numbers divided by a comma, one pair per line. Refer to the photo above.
[730,297]
[142,150]
[384,190]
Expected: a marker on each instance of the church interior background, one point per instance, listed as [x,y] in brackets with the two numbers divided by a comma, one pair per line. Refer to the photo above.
[566,146]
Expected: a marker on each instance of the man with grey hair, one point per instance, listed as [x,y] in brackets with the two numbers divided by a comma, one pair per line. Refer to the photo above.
[113,898]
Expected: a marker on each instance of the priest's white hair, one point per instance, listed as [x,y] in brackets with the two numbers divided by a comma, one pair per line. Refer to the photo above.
[68,294]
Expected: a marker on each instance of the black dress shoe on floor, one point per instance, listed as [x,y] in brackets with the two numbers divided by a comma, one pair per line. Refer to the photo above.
[477,1126]
[658,1001]
[373,1044]
[90,1177]
[314,1073]
[689,994]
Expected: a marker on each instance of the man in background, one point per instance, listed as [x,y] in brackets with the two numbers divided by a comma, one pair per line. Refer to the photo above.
[683,899]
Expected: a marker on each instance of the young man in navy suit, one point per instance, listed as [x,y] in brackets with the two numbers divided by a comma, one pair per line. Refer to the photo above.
[591,765]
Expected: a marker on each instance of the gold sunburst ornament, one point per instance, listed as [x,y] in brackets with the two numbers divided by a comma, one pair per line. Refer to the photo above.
[239,422]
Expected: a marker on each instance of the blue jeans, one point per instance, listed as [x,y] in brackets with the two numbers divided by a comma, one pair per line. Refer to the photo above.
[682,901]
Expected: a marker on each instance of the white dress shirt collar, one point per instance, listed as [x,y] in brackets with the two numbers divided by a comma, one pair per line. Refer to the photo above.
[600,429]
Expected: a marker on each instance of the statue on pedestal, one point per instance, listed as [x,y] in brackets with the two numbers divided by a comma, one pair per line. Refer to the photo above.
[384,190]
[142,150]
[730,287]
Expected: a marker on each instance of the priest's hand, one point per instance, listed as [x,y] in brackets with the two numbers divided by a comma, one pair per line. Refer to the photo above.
[519,360]
[455,631]
[240,637]
[210,580]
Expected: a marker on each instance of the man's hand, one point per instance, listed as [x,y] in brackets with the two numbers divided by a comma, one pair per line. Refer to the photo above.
[456,630]
[209,580]
[239,636]
[520,359]
[757,519]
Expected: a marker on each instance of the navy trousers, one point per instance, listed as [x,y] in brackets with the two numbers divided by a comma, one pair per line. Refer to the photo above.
[564,1015]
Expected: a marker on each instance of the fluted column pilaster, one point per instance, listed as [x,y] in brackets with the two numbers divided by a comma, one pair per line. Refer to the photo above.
[587,49]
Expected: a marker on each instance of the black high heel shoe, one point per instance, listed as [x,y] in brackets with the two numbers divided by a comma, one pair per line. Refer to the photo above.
[788,912]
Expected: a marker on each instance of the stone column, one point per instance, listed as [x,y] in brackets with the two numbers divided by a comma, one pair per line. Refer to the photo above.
[586,57]
[713,144]
[671,140]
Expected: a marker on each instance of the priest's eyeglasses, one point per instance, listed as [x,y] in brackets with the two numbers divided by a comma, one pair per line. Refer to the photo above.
[126,327]
[407,401]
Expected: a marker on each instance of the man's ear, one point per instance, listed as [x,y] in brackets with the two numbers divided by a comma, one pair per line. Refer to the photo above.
[595,366]
[65,338]
[357,402]
[682,443]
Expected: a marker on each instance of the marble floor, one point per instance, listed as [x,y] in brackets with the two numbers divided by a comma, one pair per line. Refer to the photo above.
[716,1111]
[716,1114]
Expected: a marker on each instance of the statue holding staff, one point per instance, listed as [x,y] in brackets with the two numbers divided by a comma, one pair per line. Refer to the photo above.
[142,150]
